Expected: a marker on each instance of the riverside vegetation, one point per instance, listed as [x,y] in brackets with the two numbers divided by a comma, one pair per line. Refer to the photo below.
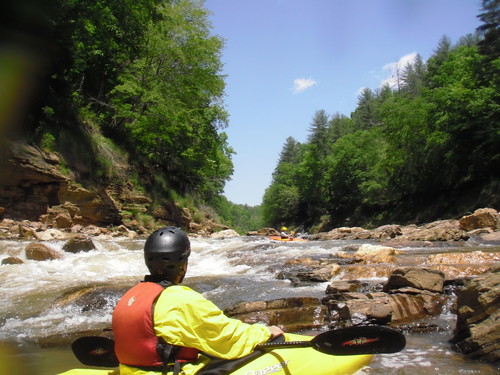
[126,109]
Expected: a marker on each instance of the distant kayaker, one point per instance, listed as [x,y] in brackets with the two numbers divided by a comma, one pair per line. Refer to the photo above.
[162,326]
[283,233]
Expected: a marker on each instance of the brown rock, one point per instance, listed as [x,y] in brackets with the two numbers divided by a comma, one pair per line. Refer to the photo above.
[420,278]
[407,305]
[12,260]
[292,314]
[369,254]
[477,333]
[474,257]
[481,218]
[91,298]
[410,307]
[41,252]
[78,243]
[337,287]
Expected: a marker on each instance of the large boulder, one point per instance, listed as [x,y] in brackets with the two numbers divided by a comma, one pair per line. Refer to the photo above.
[477,332]
[481,218]
[369,254]
[419,278]
[12,260]
[79,243]
[292,314]
[305,270]
[225,233]
[41,252]
[382,308]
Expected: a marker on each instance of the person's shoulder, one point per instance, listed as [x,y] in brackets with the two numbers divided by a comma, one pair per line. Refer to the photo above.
[181,289]
[182,294]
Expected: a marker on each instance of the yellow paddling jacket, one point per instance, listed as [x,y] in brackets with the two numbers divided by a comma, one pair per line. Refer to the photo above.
[185,318]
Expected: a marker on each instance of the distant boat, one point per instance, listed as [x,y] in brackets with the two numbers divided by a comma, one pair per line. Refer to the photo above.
[278,238]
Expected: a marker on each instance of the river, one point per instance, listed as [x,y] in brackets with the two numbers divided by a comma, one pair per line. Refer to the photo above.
[227,271]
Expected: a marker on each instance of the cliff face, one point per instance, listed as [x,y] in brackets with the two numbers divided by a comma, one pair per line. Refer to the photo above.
[31,182]
[33,187]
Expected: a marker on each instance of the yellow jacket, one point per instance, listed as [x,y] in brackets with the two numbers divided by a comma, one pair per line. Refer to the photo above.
[184,317]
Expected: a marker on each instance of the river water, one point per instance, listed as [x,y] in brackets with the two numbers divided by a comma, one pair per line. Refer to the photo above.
[226,271]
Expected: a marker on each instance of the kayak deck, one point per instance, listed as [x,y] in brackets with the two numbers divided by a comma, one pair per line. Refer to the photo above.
[284,361]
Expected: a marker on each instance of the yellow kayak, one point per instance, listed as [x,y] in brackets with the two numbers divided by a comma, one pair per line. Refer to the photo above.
[278,238]
[280,361]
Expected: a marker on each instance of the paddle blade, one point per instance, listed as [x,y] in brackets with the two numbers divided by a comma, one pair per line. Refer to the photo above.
[360,340]
[95,351]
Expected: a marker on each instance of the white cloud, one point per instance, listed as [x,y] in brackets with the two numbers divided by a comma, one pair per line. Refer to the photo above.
[301,84]
[394,69]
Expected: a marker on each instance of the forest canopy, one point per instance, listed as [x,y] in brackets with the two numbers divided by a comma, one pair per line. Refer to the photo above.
[133,81]
[132,92]
[427,146]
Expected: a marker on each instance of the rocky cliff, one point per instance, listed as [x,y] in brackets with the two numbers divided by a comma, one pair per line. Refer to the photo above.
[35,186]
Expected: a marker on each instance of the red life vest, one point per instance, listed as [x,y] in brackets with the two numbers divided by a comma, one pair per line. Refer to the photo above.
[133,327]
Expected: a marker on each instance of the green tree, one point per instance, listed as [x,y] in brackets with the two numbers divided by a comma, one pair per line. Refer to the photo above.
[169,102]
[354,175]
[364,116]
[281,200]
[465,108]
[339,126]
[414,76]
[490,29]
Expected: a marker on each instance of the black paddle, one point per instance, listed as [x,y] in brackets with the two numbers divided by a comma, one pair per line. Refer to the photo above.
[95,351]
[99,351]
[349,341]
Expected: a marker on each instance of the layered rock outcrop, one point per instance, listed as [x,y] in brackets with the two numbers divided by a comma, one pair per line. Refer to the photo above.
[477,332]
[32,182]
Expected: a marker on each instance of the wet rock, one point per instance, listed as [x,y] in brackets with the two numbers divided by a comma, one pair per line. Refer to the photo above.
[415,305]
[445,230]
[92,298]
[382,308]
[264,232]
[477,332]
[366,271]
[292,314]
[79,243]
[338,287]
[12,260]
[41,252]
[368,254]
[481,218]
[225,233]
[473,257]
[492,238]
[389,231]
[343,233]
[123,230]
[419,278]
[302,270]
[49,235]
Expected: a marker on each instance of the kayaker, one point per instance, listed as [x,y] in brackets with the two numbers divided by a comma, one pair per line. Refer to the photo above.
[162,326]
[283,233]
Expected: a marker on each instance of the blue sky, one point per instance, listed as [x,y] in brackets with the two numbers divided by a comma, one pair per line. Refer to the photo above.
[287,59]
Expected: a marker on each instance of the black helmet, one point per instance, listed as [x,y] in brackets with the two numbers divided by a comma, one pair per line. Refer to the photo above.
[166,254]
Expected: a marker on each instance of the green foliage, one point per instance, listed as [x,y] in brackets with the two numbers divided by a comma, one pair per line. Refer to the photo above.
[241,218]
[134,87]
[48,142]
[168,102]
[432,138]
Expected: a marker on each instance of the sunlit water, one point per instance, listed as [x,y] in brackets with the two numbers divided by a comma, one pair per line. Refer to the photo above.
[226,271]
